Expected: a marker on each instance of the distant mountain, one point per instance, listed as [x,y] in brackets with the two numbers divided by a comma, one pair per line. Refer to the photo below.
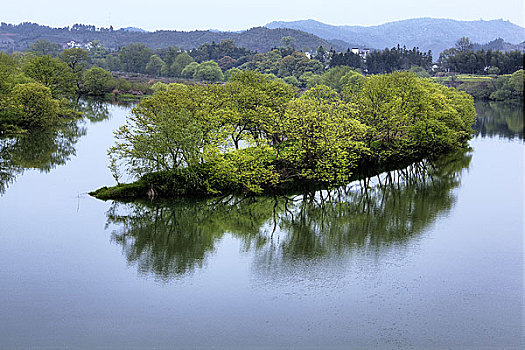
[134,29]
[259,39]
[500,45]
[426,33]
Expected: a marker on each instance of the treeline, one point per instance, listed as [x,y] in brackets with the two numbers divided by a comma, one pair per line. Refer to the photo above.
[254,134]
[385,61]
[282,62]
[218,61]
[463,58]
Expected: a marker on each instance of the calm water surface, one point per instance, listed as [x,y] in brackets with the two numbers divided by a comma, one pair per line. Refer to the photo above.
[431,257]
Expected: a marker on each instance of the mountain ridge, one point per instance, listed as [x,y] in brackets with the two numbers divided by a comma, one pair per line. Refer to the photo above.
[427,33]
[260,39]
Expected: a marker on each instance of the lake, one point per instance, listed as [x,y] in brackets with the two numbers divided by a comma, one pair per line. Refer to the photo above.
[427,257]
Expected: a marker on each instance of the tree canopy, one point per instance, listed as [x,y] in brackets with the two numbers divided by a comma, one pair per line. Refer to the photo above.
[255,134]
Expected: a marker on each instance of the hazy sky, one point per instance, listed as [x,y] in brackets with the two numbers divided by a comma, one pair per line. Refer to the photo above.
[239,14]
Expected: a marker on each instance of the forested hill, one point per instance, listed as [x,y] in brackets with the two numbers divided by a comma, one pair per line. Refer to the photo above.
[261,39]
[426,33]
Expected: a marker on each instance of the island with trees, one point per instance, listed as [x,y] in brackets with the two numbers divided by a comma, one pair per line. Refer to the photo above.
[256,135]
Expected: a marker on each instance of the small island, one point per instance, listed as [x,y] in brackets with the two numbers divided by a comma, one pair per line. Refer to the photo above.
[257,135]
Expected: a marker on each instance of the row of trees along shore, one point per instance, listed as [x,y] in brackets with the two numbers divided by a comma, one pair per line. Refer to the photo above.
[257,135]
[214,62]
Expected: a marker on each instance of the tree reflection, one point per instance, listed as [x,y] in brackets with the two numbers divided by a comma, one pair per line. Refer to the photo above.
[170,239]
[94,110]
[45,149]
[40,149]
[500,119]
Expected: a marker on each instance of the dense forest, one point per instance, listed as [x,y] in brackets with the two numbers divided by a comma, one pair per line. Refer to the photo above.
[464,58]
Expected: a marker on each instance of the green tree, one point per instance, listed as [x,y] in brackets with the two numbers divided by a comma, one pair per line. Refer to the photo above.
[288,42]
[352,82]
[53,73]
[77,60]
[464,44]
[179,63]
[170,130]
[419,71]
[134,57]
[97,81]
[230,73]
[189,70]
[209,71]
[44,47]
[324,140]
[155,66]
[332,77]
[33,105]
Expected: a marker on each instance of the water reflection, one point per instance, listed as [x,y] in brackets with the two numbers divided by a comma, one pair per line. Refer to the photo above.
[170,239]
[93,110]
[41,149]
[500,119]
[46,149]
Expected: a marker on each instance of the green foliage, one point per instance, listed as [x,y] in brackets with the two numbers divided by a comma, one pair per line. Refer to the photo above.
[169,130]
[291,80]
[30,88]
[479,90]
[397,58]
[77,60]
[230,73]
[159,86]
[399,107]
[352,82]
[502,88]
[462,59]
[208,71]
[53,73]
[347,58]
[155,66]
[44,47]
[36,91]
[33,105]
[97,81]
[288,42]
[332,77]
[309,80]
[134,57]
[420,72]
[248,170]
[179,63]
[8,70]
[254,134]
[189,70]
[323,138]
